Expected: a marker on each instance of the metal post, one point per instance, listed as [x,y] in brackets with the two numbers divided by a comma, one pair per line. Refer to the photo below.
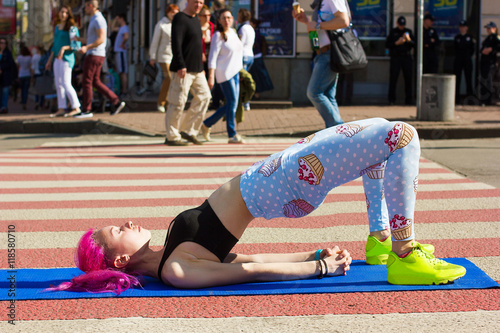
[420,44]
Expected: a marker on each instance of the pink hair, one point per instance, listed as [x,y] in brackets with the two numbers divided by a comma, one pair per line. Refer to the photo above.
[100,276]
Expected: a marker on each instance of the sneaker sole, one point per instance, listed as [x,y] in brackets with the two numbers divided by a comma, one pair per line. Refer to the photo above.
[403,280]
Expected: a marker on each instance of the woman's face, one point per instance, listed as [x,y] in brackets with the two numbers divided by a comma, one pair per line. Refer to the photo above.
[3,44]
[124,240]
[171,14]
[204,16]
[226,20]
[63,14]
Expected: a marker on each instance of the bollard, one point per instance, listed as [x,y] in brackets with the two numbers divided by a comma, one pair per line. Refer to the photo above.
[437,100]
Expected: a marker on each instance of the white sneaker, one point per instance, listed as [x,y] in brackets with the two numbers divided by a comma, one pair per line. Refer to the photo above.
[160,108]
[206,132]
[236,139]
[83,115]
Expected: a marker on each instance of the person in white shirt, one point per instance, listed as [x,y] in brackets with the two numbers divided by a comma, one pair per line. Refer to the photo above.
[161,51]
[224,64]
[247,35]
[120,48]
[24,66]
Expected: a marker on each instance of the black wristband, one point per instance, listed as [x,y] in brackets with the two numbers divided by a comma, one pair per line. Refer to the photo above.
[321,274]
[326,267]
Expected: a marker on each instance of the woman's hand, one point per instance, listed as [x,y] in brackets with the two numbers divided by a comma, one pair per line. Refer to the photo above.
[211,81]
[48,65]
[152,62]
[339,261]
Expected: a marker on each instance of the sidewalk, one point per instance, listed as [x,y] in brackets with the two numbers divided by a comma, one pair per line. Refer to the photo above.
[470,121]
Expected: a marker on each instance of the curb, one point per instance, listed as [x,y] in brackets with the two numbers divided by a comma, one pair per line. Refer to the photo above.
[74,127]
[432,132]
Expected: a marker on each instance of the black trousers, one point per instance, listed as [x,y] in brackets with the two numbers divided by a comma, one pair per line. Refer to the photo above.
[397,64]
[487,71]
[465,66]
[430,63]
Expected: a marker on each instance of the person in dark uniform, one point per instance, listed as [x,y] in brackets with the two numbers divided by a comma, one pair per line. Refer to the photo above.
[464,50]
[487,64]
[431,43]
[400,42]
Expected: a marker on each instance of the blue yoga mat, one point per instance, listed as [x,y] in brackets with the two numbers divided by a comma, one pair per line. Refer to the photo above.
[30,283]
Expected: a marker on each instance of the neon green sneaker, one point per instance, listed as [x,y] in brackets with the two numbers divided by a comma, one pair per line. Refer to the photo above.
[420,267]
[377,252]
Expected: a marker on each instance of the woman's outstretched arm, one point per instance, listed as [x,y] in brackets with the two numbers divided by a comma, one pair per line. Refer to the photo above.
[274,257]
[200,273]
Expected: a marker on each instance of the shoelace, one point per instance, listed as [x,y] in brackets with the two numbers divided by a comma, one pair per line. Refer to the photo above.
[433,260]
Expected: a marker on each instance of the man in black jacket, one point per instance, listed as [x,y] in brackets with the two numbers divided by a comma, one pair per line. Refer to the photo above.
[187,75]
[464,50]
[487,64]
[400,42]
[431,41]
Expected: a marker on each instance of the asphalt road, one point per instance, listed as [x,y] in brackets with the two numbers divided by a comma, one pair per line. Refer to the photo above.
[477,159]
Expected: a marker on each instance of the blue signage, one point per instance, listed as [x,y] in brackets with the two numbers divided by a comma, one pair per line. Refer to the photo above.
[278,27]
[369,18]
[447,15]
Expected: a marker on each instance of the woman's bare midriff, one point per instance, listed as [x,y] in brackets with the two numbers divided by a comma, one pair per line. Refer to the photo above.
[229,206]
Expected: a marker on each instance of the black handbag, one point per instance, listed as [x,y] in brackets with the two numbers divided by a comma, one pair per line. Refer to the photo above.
[150,71]
[346,52]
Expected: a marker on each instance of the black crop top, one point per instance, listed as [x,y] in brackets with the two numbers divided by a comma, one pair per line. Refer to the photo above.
[201,226]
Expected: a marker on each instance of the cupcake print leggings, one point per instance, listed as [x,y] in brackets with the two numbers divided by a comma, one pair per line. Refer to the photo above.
[294,182]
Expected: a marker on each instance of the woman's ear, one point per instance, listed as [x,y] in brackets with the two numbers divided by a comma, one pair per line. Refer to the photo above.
[122,261]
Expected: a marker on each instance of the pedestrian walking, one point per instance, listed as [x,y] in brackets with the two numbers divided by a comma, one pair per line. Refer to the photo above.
[121,49]
[95,54]
[487,64]
[430,60]
[400,43]
[160,52]
[291,183]
[464,50]
[24,70]
[322,87]
[62,56]
[247,36]
[8,72]
[224,64]
[187,76]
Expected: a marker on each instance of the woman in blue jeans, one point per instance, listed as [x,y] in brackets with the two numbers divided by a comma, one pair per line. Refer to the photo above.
[322,86]
[7,74]
[224,64]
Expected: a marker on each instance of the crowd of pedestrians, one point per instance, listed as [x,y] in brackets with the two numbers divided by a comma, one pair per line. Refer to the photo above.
[216,59]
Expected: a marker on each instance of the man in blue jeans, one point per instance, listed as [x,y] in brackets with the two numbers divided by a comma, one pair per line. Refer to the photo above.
[322,86]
